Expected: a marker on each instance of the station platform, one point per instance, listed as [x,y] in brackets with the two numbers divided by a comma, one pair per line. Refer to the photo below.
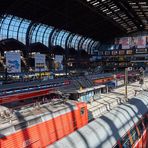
[108,101]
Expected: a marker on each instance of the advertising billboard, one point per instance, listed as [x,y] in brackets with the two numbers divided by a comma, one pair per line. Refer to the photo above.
[133,42]
[58,62]
[125,42]
[141,42]
[40,63]
[13,62]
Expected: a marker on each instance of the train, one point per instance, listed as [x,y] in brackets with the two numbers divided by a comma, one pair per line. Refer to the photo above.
[41,125]
[25,95]
[125,126]
[103,80]
[65,124]
[28,92]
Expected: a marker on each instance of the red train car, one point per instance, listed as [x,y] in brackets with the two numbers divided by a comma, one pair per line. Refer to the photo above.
[25,95]
[103,80]
[41,126]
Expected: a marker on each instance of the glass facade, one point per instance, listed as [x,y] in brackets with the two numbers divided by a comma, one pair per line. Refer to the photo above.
[5,27]
[45,39]
[21,29]
[14,27]
[65,36]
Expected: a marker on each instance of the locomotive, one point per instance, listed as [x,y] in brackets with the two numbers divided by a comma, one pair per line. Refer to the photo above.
[41,125]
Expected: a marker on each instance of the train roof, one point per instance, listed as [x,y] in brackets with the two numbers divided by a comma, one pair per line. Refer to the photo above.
[107,129]
[46,111]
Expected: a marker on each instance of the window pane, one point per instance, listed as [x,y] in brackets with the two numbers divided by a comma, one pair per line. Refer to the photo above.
[141,128]
[4,27]
[126,142]
[46,36]
[134,135]
[40,33]
[23,30]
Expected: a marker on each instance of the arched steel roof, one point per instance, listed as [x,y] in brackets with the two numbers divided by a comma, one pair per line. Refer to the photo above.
[72,15]
[29,32]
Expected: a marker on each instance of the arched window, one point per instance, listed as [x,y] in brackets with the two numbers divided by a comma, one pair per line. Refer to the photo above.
[34,33]
[77,42]
[73,42]
[40,33]
[14,27]
[17,28]
[5,26]
[46,36]
[63,43]
[59,38]
[23,30]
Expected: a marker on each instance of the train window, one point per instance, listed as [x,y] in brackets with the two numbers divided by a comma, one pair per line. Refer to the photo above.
[126,142]
[82,111]
[146,121]
[21,126]
[140,127]
[134,135]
